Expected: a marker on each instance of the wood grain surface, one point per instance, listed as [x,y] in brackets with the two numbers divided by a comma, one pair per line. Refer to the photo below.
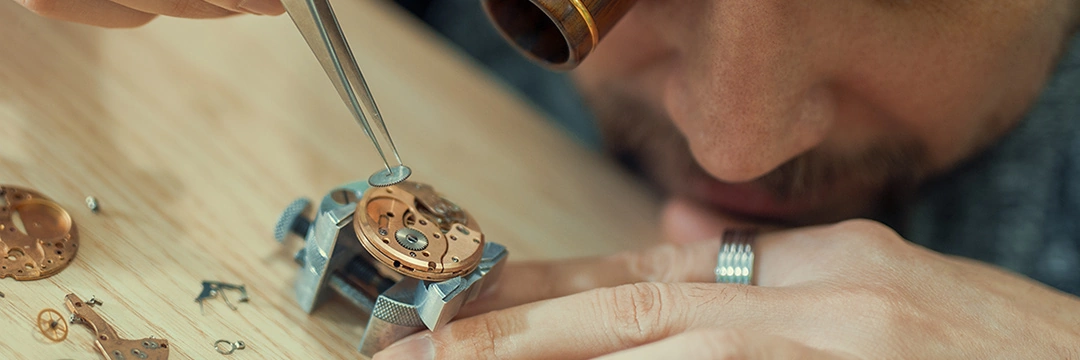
[193,135]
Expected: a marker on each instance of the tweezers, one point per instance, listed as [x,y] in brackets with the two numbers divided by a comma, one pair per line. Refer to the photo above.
[316,21]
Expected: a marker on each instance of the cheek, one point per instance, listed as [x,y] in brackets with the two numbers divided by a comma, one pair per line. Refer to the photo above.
[632,59]
[957,82]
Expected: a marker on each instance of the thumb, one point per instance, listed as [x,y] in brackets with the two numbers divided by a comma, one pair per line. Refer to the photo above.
[682,221]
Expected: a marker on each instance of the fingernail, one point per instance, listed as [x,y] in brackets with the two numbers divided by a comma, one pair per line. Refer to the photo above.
[416,347]
[258,7]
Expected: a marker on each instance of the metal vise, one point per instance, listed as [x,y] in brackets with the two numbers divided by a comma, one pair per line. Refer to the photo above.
[397,303]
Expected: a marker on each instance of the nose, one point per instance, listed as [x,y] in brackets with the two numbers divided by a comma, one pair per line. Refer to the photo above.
[750,85]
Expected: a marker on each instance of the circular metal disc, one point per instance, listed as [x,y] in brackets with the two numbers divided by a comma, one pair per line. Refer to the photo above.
[411,239]
[385,177]
[37,236]
[401,228]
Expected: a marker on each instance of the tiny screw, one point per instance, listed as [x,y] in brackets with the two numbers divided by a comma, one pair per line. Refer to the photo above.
[92,203]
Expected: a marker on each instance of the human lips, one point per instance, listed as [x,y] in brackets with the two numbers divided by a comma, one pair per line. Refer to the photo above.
[749,199]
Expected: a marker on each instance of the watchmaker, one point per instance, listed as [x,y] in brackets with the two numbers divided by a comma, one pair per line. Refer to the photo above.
[776,128]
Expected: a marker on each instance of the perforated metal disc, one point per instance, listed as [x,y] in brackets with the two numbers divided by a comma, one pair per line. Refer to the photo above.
[37,236]
[394,176]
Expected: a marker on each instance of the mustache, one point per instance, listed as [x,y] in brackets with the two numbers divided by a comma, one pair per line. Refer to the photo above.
[891,164]
[643,139]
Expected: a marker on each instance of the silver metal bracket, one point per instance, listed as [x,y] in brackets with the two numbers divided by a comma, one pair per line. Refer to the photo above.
[396,306]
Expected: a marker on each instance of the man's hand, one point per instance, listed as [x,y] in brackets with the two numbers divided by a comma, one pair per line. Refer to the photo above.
[131,13]
[850,290]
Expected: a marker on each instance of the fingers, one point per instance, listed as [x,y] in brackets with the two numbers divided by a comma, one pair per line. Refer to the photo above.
[781,258]
[132,13]
[607,320]
[259,7]
[593,323]
[102,13]
[527,282]
[683,220]
[722,344]
[196,9]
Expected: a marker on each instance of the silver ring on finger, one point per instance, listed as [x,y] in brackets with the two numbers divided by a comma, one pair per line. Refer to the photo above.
[735,262]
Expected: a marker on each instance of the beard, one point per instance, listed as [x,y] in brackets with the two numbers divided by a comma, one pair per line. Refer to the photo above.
[856,183]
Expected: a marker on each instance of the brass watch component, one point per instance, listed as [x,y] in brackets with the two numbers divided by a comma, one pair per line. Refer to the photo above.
[51,324]
[108,342]
[45,242]
[418,233]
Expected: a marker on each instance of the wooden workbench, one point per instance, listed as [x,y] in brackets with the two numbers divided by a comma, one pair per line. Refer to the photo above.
[193,135]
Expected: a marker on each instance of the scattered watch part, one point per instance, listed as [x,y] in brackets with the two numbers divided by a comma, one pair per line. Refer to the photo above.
[46,242]
[51,324]
[226,347]
[108,342]
[211,289]
[418,233]
[92,204]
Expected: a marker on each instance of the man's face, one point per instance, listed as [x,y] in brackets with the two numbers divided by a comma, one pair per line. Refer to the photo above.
[809,111]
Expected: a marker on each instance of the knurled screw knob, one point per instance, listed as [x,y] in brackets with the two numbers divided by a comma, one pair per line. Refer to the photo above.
[292,220]
[300,255]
